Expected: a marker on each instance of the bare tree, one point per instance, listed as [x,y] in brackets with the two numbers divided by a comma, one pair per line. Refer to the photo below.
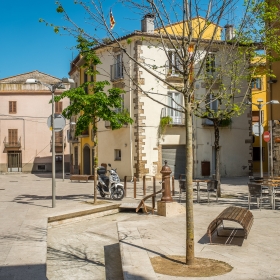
[193,41]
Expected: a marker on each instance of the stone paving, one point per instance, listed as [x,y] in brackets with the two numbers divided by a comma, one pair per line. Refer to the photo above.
[84,248]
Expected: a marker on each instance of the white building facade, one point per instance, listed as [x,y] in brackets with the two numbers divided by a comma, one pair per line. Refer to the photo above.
[139,149]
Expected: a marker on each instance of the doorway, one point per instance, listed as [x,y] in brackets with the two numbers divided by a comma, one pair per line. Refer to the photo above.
[14,161]
[86,160]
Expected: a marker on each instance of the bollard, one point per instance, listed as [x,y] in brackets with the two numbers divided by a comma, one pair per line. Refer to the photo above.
[124,185]
[166,171]
[173,186]
[134,182]
[144,185]
[154,192]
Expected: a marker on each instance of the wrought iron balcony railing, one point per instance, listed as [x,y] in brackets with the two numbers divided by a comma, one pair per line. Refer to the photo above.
[178,118]
[12,143]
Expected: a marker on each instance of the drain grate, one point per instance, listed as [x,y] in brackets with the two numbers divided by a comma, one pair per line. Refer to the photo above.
[14,181]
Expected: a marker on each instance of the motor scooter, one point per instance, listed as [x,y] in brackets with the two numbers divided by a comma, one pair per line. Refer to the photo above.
[111,185]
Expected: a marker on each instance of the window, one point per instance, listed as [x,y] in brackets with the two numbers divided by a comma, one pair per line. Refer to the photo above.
[174,64]
[210,64]
[58,158]
[58,107]
[255,116]
[175,99]
[211,103]
[256,154]
[12,107]
[119,110]
[76,156]
[256,84]
[85,81]
[117,68]
[41,167]
[118,155]
[13,136]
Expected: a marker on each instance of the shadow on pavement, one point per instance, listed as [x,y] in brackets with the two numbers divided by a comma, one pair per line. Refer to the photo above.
[23,272]
[71,254]
[113,264]
[226,237]
[31,199]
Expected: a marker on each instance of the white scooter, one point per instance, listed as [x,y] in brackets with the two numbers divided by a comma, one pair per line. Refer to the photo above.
[109,185]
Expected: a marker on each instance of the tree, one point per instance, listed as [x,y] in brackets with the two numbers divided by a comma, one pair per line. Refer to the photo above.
[98,104]
[192,42]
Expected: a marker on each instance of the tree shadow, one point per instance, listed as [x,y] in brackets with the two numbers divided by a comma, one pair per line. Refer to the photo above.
[76,255]
[33,234]
[32,199]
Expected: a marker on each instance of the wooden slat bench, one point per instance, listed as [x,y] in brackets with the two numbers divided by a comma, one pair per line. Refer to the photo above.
[79,178]
[236,214]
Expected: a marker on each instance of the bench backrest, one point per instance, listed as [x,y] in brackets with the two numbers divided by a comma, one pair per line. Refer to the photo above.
[212,185]
[255,189]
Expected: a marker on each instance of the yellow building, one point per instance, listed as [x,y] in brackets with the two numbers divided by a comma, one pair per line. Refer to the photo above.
[259,91]
[82,147]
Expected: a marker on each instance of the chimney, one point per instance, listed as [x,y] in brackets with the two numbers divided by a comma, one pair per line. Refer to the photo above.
[229,32]
[147,23]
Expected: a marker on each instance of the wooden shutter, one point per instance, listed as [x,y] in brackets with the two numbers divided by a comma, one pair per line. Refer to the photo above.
[58,137]
[13,136]
[58,107]
[12,107]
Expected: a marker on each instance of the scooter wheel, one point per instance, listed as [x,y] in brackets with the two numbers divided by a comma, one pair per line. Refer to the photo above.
[102,194]
[118,194]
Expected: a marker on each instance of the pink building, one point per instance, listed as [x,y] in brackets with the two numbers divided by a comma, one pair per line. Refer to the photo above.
[25,138]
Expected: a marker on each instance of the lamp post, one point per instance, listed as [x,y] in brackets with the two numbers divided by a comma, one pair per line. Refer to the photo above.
[52,88]
[260,105]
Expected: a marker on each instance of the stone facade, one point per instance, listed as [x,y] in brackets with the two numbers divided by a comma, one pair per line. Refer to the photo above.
[139,128]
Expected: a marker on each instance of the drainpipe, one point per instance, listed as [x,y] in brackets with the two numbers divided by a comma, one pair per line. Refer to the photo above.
[130,112]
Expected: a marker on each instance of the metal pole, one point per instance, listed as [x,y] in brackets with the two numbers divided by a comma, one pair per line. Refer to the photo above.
[271,149]
[261,164]
[53,151]
[62,154]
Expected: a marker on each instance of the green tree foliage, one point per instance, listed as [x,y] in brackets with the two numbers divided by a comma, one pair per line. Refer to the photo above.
[98,103]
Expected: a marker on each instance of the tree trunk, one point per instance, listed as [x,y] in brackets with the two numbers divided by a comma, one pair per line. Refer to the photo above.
[189,186]
[217,156]
[94,161]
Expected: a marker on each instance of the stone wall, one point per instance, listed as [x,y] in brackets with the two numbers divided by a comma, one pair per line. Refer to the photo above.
[139,128]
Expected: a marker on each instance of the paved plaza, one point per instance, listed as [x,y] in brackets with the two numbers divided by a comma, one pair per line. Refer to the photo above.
[37,244]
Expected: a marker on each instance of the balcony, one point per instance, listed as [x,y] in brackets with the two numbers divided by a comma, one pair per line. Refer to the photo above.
[58,143]
[71,138]
[223,123]
[107,124]
[116,71]
[84,134]
[12,143]
[178,118]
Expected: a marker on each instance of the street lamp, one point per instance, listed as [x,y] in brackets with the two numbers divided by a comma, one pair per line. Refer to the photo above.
[52,88]
[260,105]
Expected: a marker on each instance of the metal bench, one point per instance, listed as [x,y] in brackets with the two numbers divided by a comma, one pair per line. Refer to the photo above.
[236,214]
[79,178]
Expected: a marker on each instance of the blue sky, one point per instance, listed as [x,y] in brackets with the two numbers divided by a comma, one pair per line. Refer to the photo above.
[27,45]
